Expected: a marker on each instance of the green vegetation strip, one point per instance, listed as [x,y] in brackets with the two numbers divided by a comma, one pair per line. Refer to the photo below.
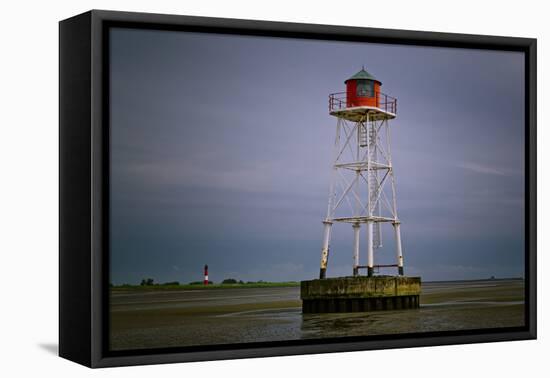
[204,287]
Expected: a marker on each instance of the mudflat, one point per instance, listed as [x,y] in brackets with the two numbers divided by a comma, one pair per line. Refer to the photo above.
[158,319]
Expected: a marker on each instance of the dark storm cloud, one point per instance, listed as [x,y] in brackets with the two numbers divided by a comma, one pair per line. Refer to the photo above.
[221,151]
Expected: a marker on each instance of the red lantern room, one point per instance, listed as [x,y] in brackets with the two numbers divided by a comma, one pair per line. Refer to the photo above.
[362,95]
[363,89]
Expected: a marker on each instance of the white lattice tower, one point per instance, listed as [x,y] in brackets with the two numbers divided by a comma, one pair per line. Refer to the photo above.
[362,188]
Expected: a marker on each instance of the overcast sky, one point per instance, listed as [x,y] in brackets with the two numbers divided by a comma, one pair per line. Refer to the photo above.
[221,146]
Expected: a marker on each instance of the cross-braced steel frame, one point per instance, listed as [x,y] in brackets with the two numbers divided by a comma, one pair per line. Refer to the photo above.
[362,187]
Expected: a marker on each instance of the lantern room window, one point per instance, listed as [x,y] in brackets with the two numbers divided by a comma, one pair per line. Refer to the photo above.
[365,88]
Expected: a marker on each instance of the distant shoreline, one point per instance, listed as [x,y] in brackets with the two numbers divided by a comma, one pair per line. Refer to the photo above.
[161,287]
[256,285]
[479,280]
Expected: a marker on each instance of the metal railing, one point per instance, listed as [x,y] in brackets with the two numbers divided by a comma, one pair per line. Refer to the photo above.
[338,101]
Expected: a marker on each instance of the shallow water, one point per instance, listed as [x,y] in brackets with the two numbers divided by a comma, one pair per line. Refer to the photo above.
[227,316]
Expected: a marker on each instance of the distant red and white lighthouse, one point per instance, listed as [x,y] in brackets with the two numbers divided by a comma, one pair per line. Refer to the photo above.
[206,274]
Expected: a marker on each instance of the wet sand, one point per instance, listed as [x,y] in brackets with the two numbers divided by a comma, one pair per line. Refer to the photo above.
[157,319]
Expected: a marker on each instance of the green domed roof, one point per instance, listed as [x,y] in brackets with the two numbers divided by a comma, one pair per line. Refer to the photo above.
[363,75]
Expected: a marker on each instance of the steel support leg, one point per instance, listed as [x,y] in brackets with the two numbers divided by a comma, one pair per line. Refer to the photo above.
[398,250]
[370,249]
[325,249]
[356,237]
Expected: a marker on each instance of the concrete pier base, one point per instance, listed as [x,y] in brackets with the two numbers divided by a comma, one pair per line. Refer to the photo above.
[357,294]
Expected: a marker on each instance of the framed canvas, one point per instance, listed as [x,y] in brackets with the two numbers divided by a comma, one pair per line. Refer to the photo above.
[234,188]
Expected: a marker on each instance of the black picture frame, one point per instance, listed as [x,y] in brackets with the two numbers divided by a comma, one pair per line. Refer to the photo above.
[84,194]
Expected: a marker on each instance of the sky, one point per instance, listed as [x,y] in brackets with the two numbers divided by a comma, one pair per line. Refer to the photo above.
[221,152]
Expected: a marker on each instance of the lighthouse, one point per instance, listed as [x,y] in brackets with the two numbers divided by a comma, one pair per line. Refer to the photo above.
[362,194]
[362,189]
[205,275]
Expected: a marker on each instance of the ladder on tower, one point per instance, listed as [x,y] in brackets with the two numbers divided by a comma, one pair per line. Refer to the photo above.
[374,185]
[363,135]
